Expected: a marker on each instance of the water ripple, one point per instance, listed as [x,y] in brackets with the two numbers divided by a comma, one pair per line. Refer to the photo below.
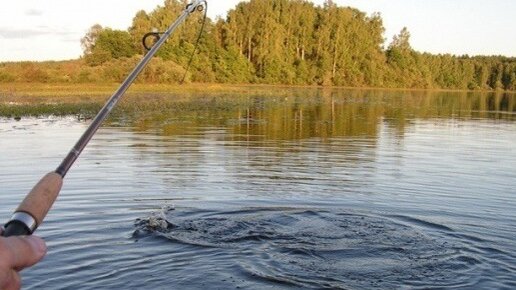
[321,248]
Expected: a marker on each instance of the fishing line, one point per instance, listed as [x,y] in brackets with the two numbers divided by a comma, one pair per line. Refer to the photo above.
[196,46]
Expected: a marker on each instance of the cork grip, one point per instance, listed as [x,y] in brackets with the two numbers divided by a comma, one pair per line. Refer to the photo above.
[40,199]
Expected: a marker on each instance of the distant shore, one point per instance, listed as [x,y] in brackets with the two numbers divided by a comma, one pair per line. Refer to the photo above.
[15,91]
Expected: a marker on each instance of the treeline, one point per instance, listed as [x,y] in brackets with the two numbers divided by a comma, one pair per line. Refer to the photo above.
[272,42]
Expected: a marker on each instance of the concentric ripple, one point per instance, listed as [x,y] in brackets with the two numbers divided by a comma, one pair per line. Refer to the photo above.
[319,248]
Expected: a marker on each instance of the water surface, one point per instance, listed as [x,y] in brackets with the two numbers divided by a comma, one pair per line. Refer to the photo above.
[303,189]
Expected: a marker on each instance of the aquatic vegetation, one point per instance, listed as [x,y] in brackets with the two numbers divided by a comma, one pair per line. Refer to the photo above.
[283,112]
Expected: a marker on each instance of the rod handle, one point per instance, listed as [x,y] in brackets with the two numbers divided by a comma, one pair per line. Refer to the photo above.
[33,209]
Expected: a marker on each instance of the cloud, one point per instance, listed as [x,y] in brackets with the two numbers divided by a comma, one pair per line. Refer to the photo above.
[13,33]
[33,12]
[25,33]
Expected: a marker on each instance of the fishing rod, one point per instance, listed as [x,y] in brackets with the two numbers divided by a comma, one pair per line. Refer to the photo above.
[33,209]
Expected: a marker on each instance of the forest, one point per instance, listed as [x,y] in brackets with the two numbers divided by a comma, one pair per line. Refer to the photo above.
[287,42]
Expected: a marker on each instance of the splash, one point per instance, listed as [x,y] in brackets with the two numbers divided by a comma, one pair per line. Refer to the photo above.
[318,248]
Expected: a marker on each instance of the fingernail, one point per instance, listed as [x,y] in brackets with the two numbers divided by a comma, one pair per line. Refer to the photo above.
[38,244]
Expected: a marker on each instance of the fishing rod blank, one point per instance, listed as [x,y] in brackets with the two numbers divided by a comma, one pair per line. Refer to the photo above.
[33,209]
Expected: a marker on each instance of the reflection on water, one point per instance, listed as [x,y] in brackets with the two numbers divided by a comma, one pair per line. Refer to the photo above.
[295,188]
[308,113]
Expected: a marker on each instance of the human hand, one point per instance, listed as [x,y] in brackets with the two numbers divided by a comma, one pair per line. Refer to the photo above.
[16,254]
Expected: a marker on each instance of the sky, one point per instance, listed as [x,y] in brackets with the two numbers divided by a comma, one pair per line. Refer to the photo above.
[52,29]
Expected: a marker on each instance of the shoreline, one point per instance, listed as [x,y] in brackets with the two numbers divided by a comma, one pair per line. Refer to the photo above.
[78,89]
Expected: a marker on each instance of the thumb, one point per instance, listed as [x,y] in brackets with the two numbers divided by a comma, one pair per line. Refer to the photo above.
[24,251]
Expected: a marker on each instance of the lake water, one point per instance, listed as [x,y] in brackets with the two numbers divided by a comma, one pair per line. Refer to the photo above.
[304,189]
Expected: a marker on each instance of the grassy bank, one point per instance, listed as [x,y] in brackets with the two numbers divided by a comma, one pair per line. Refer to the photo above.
[85,100]
[69,92]
[163,101]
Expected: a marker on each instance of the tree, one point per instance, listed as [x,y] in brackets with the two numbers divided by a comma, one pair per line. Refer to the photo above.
[141,25]
[110,44]
[89,40]
[403,62]
[401,41]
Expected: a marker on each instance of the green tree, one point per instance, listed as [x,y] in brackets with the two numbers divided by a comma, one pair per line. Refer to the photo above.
[399,51]
[140,26]
[110,44]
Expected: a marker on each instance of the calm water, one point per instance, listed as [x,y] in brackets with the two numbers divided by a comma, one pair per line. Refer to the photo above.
[342,189]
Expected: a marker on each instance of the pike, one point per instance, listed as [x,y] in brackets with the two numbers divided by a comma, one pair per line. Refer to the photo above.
[33,209]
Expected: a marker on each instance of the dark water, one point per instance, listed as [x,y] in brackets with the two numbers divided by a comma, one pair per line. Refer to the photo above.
[341,189]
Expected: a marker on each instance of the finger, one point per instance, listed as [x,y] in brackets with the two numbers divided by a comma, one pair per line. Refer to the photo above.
[13,281]
[23,252]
